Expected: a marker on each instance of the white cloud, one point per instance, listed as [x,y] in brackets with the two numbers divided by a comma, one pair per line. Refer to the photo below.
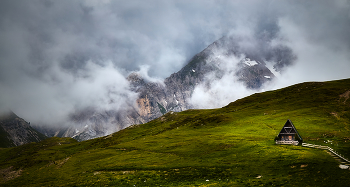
[214,91]
[51,102]
[56,56]
[219,94]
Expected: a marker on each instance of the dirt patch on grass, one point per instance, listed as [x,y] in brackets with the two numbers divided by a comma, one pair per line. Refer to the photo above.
[128,172]
[345,95]
[9,174]
[60,163]
[335,115]
[162,118]
[109,136]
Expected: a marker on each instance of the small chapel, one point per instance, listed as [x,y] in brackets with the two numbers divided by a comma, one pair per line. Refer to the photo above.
[288,135]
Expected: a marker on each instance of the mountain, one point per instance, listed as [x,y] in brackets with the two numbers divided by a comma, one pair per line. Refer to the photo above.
[211,64]
[15,131]
[224,58]
[93,123]
[229,146]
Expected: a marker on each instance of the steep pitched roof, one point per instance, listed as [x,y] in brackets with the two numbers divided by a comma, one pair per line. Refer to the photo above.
[289,128]
[283,131]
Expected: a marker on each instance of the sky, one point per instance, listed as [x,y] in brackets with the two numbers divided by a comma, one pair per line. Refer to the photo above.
[57,57]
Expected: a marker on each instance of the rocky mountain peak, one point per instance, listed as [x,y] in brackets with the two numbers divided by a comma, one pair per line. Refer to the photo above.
[15,131]
[135,78]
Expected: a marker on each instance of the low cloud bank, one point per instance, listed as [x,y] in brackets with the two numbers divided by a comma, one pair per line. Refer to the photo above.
[57,57]
[60,94]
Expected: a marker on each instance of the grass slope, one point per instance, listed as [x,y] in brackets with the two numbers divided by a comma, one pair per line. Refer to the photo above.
[231,146]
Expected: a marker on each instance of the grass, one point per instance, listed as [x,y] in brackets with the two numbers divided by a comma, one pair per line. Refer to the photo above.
[231,146]
[161,108]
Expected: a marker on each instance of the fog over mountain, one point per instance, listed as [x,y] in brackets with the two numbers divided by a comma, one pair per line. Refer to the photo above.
[60,57]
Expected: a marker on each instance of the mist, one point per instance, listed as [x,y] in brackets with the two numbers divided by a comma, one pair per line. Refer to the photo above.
[315,39]
[59,57]
[216,92]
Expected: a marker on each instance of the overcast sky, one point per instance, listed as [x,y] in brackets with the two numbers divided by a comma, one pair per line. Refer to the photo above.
[59,56]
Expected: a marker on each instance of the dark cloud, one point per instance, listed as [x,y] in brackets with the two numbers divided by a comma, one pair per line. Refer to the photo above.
[52,53]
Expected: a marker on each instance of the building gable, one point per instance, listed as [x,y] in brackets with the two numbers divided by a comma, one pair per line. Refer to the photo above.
[288,133]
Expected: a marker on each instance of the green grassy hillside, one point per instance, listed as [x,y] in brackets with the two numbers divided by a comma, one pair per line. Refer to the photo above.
[231,146]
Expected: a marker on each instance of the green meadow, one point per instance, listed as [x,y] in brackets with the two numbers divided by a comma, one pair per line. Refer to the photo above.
[230,146]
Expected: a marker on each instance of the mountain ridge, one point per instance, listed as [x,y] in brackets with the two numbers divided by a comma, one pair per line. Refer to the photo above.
[221,59]
[15,131]
[229,146]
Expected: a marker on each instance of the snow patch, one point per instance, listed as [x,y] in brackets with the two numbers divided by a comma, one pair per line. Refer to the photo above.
[268,77]
[269,65]
[248,62]
[76,131]
[86,126]
[177,102]
[193,70]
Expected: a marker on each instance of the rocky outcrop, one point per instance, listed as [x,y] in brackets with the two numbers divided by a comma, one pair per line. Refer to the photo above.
[220,58]
[15,131]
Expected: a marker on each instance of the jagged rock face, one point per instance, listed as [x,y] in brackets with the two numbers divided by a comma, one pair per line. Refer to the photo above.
[151,97]
[15,131]
[253,73]
[156,99]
